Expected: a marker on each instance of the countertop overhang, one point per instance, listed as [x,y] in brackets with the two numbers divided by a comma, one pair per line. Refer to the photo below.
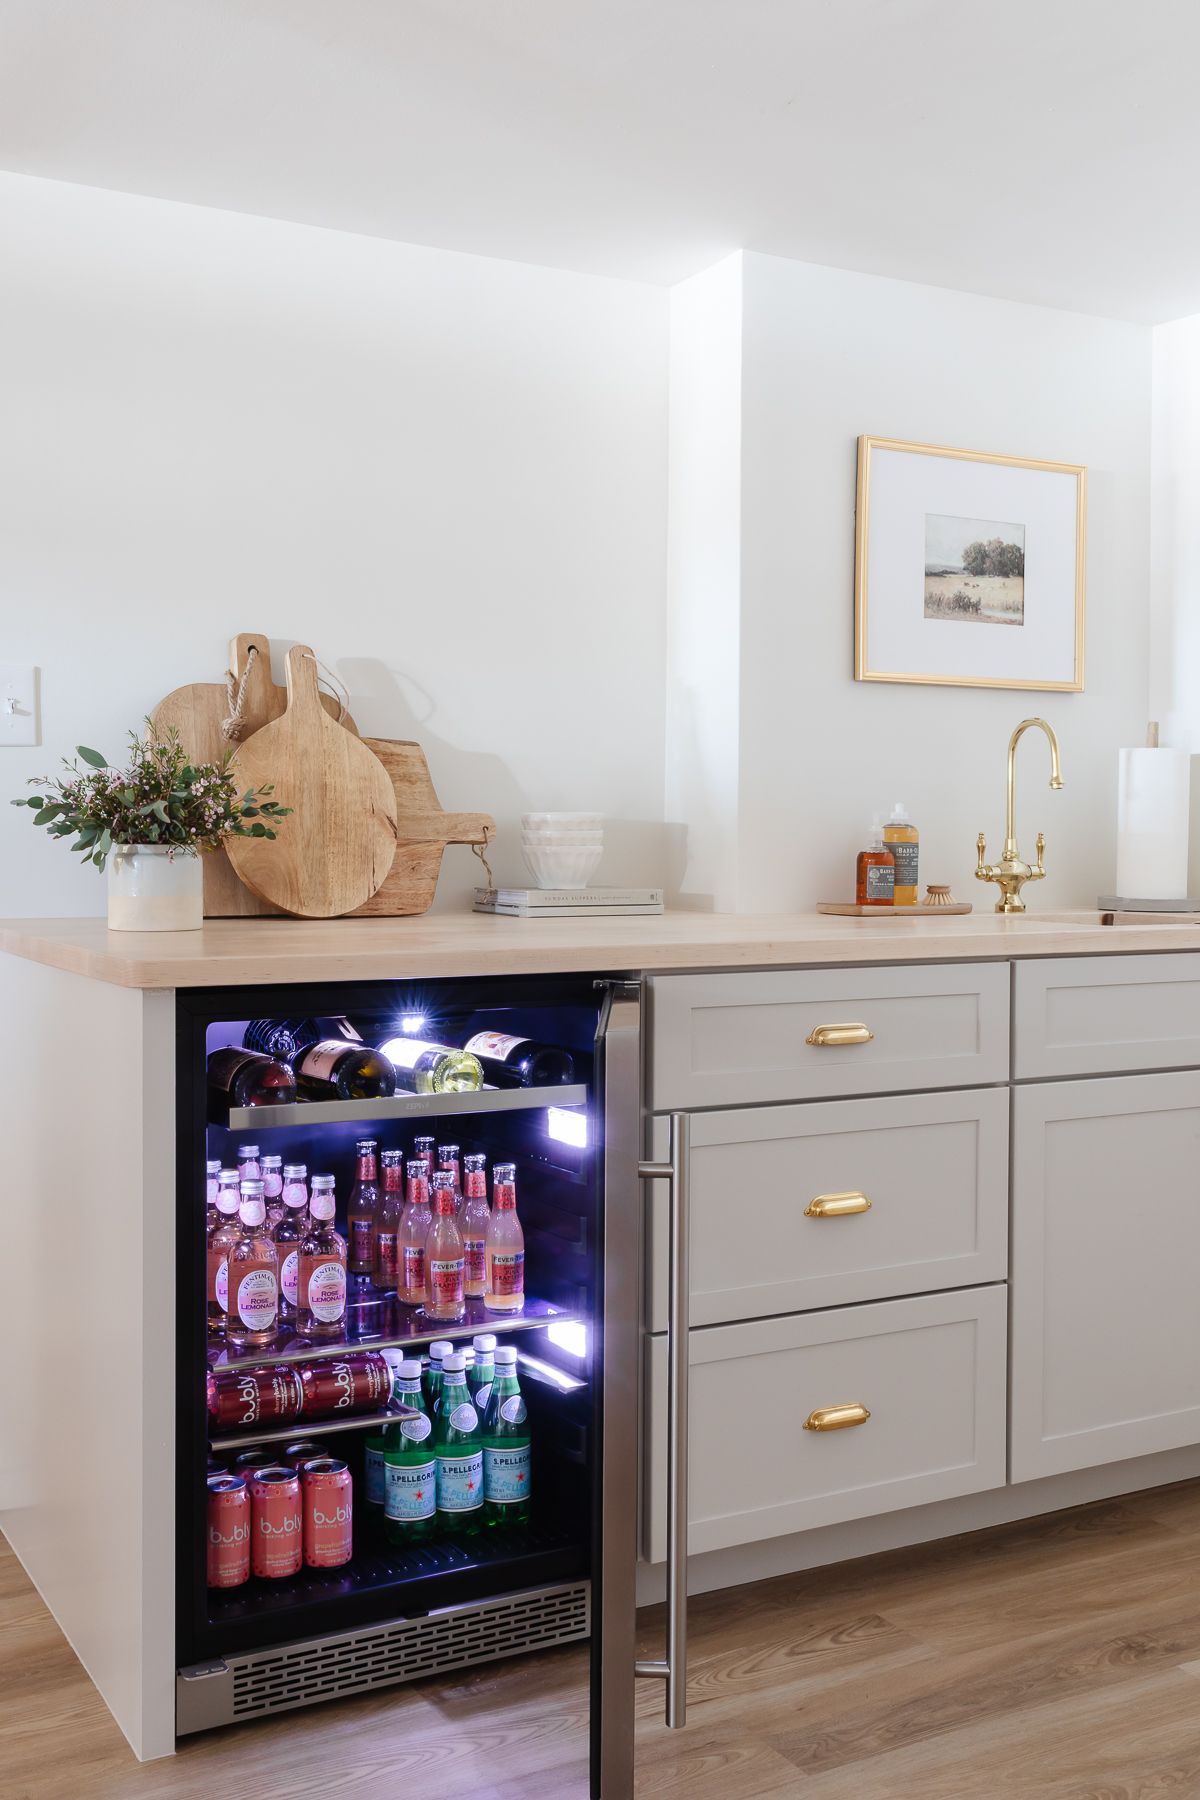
[240,952]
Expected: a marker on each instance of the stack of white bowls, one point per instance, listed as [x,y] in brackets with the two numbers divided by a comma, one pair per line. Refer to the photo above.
[562,849]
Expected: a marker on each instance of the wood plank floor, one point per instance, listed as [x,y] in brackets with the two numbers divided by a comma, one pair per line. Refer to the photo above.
[1057,1658]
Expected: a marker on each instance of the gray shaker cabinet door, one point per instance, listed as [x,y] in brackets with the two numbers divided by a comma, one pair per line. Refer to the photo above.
[1105,1271]
[1101,1015]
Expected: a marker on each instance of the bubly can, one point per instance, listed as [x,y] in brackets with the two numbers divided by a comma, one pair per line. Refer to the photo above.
[247,1461]
[228,1531]
[328,1513]
[277,1523]
[296,1455]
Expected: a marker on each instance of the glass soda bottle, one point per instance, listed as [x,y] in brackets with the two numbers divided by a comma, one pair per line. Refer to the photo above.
[459,1451]
[482,1371]
[272,1179]
[253,1274]
[409,1464]
[220,1238]
[422,1151]
[415,1223]
[444,1255]
[321,1298]
[473,1224]
[376,1444]
[434,1377]
[507,1470]
[449,1160]
[211,1171]
[362,1207]
[248,1166]
[289,1233]
[386,1230]
[504,1251]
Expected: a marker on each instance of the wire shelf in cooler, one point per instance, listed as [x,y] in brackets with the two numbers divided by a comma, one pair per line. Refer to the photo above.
[385,1323]
[405,1106]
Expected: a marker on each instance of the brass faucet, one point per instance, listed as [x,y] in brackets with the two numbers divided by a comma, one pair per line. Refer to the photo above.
[1010,873]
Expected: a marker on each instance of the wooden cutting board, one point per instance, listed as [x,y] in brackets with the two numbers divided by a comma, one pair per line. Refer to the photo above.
[335,850]
[197,712]
[849,910]
[422,832]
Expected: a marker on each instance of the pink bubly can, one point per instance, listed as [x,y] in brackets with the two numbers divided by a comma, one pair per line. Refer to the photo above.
[328,1513]
[228,1531]
[277,1524]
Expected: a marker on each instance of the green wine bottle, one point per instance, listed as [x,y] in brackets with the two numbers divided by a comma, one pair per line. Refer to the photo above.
[459,1453]
[409,1464]
[507,1463]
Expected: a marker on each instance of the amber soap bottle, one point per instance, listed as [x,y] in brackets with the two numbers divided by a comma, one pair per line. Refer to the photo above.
[876,880]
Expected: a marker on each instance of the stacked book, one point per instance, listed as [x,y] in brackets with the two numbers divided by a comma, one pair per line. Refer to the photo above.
[567,903]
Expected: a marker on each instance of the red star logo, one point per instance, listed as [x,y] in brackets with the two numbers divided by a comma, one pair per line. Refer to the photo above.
[470,1487]
[520,1479]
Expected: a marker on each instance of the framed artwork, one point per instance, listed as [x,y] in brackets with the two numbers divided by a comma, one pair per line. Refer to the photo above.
[969,568]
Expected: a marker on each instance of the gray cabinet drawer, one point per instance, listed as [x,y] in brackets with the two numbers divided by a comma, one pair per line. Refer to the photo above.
[930,1371]
[1101,1015]
[933,1166]
[728,1040]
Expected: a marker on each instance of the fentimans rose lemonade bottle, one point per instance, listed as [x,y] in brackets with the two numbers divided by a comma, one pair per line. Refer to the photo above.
[322,1266]
[288,1234]
[272,1178]
[415,1224]
[224,1231]
[211,1170]
[504,1287]
[362,1207]
[476,1215]
[248,1166]
[385,1235]
[444,1255]
[253,1274]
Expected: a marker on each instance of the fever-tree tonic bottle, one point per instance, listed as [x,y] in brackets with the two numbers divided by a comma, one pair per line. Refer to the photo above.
[409,1464]
[507,1463]
[459,1452]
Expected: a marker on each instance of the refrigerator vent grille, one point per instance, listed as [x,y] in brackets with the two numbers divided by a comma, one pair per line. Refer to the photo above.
[267,1681]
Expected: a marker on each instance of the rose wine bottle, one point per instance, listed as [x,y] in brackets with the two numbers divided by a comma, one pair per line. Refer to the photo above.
[444,1255]
[253,1274]
[504,1252]
[415,1224]
[289,1233]
[476,1216]
[385,1234]
[220,1237]
[362,1206]
[240,1078]
[322,1298]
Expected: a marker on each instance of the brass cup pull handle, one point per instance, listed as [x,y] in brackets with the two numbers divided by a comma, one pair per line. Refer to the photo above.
[826,1037]
[836,1418]
[836,1206]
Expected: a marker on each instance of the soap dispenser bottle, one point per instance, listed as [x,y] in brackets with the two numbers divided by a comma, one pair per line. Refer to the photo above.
[903,840]
[875,884]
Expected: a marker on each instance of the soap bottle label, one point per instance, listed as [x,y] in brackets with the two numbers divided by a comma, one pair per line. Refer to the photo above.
[881,881]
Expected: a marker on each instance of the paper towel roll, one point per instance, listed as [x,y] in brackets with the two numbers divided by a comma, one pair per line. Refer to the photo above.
[1153,803]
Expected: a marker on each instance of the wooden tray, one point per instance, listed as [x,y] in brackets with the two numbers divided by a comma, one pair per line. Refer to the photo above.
[848,910]
[422,832]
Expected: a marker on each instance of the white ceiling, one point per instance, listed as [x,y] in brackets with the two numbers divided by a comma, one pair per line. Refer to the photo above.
[1042,150]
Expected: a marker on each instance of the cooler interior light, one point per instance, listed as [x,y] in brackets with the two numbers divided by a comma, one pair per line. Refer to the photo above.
[567,1127]
[569,1335]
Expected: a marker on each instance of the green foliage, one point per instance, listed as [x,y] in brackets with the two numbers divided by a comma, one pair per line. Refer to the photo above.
[994,558]
[161,798]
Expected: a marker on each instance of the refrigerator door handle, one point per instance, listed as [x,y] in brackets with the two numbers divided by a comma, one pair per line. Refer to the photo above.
[675,1172]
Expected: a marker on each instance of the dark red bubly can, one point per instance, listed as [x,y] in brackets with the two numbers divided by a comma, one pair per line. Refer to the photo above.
[296,1455]
[277,1524]
[328,1513]
[360,1382]
[253,1396]
[228,1531]
[249,1460]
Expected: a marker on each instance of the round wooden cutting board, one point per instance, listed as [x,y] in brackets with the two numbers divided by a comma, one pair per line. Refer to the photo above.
[335,849]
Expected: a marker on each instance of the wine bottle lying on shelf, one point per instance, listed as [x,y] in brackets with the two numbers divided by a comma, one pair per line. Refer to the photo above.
[512,1062]
[329,1058]
[425,1068]
[244,1078]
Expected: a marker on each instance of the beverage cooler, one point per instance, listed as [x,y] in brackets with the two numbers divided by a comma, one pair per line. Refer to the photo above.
[375,1600]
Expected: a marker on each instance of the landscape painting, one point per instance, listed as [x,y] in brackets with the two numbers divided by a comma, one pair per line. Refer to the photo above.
[974,570]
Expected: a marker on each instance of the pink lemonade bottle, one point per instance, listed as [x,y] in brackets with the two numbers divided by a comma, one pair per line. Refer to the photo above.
[415,1225]
[253,1274]
[476,1216]
[444,1255]
[289,1232]
[504,1252]
[322,1286]
[222,1234]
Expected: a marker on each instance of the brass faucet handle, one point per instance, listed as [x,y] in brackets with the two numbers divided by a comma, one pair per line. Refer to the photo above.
[1038,870]
[981,851]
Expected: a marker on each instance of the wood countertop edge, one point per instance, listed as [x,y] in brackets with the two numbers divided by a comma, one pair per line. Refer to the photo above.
[234,952]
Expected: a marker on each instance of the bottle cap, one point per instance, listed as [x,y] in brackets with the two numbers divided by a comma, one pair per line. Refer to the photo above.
[295,1171]
[272,1162]
[253,1186]
[394,1358]
[408,1368]
[899,814]
[454,1363]
[440,1348]
[213,1168]
[443,1179]
[504,1172]
[506,1354]
[447,1152]
[391,1157]
[483,1343]
[247,1152]
[323,1181]
[476,1160]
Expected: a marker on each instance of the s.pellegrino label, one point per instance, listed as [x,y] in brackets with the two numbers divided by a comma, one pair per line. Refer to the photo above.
[506,1474]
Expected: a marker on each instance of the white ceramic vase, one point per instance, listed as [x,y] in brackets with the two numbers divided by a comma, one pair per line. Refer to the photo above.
[154,887]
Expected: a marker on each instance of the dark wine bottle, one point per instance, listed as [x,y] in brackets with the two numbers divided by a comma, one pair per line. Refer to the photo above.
[335,1069]
[245,1078]
[287,1038]
[512,1062]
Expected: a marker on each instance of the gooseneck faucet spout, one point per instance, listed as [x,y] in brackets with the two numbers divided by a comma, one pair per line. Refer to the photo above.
[1010,873]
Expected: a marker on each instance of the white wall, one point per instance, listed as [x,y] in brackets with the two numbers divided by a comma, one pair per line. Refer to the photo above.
[446,473]
[827,355]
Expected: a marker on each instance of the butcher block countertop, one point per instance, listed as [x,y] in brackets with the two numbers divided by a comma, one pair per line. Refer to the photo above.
[239,952]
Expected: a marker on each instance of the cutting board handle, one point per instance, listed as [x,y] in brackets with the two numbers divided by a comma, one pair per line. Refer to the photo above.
[304,691]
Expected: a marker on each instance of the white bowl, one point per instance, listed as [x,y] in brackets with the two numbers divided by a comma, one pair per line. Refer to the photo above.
[561,821]
[561,868]
[563,840]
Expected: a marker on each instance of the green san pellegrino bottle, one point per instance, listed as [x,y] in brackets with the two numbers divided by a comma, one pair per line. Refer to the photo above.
[507,1470]
[482,1372]
[409,1464]
[459,1450]
[433,1378]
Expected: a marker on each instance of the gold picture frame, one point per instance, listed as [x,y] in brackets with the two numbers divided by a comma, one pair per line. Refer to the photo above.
[869,449]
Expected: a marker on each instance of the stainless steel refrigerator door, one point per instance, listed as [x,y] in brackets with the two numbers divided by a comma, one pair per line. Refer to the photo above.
[614,1587]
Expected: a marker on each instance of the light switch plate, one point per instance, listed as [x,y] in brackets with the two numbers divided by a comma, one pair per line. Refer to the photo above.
[18,704]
